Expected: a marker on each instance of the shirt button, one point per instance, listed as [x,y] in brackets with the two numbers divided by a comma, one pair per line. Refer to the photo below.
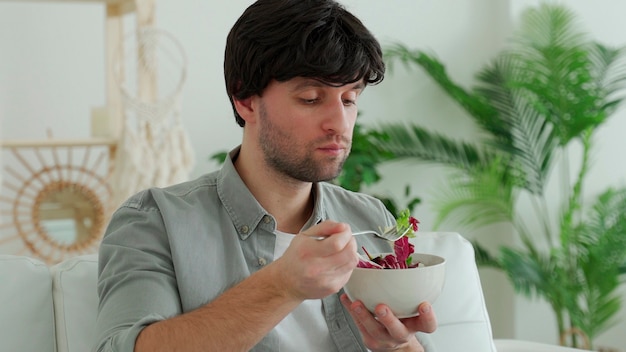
[245,229]
[267,219]
[262,261]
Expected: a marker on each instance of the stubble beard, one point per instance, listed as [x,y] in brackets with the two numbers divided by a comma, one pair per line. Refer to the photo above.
[284,156]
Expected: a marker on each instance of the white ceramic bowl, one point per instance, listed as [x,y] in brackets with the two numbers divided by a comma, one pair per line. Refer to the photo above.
[401,289]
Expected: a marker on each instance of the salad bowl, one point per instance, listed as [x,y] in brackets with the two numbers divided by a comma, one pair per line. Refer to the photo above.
[403,290]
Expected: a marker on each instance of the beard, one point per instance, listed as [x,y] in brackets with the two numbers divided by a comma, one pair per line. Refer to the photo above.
[284,153]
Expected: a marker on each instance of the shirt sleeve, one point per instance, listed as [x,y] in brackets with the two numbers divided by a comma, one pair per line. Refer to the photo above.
[136,281]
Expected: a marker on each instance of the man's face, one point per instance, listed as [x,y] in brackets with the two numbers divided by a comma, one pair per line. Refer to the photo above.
[305,127]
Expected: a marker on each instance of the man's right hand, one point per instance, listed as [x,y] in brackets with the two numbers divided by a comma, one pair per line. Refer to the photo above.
[312,268]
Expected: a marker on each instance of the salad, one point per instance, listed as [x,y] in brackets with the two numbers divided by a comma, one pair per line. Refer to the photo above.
[402,248]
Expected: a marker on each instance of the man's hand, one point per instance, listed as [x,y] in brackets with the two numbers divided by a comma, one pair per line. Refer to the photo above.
[383,331]
[312,268]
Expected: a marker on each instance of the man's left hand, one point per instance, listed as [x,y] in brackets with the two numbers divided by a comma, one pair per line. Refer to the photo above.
[383,331]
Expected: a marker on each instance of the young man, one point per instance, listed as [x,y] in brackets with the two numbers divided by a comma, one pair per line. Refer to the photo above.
[232,261]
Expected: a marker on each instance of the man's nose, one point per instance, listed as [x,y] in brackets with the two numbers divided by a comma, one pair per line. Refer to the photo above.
[337,117]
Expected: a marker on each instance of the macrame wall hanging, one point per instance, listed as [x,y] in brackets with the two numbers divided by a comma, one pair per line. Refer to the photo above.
[154,150]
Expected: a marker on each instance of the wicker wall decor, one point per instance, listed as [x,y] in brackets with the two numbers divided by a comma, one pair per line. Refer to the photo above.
[55,199]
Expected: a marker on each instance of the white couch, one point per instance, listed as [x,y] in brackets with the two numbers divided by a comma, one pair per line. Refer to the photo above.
[53,308]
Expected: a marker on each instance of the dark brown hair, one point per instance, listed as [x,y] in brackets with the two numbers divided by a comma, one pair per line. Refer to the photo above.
[283,39]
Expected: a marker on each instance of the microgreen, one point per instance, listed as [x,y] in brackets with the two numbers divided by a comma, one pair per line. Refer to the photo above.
[402,247]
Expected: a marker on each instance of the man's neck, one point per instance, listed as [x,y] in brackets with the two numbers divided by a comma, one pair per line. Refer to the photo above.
[290,201]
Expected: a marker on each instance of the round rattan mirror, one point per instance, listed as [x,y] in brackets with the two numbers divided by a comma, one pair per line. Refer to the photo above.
[55,211]
[68,214]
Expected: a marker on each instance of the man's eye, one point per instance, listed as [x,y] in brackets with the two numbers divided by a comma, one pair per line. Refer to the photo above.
[349,102]
[309,101]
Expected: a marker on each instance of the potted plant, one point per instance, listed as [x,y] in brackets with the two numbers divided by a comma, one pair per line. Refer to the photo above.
[549,90]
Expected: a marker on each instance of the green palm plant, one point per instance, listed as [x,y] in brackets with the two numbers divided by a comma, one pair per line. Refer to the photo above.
[550,89]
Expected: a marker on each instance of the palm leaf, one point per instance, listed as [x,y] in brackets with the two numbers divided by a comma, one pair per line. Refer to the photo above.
[474,104]
[519,130]
[604,234]
[609,66]
[484,258]
[533,145]
[535,274]
[416,143]
[599,245]
[549,25]
[561,71]
[493,87]
[596,309]
[484,197]
[528,274]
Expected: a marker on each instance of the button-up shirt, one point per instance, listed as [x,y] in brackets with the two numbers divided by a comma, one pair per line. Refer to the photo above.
[169,251]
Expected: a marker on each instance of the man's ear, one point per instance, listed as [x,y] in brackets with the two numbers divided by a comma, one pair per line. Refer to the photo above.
[246,108]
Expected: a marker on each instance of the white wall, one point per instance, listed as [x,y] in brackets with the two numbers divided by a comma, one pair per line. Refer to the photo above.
[51,75]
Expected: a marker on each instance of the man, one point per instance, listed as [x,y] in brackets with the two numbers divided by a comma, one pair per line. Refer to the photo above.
[232,261]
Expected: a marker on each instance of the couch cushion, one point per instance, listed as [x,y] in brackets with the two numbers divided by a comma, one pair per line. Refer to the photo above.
[461,311]
[26,312]
[506,345]
[75,302]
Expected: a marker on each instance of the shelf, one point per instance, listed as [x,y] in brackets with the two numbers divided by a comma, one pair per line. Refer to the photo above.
[125,6]
[45,143]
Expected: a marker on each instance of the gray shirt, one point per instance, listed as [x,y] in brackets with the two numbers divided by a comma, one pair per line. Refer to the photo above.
[168,251]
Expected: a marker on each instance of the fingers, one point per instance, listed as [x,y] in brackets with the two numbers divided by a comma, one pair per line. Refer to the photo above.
[426,321]
[326,229]
[381,332]
[383,329]
[392,324]
[368,326]
[314,269]
[336,237]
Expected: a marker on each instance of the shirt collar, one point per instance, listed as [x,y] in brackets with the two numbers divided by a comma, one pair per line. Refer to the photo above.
[245,211]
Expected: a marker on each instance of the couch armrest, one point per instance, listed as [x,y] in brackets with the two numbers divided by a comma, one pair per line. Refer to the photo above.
[461,312]
[504,345]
